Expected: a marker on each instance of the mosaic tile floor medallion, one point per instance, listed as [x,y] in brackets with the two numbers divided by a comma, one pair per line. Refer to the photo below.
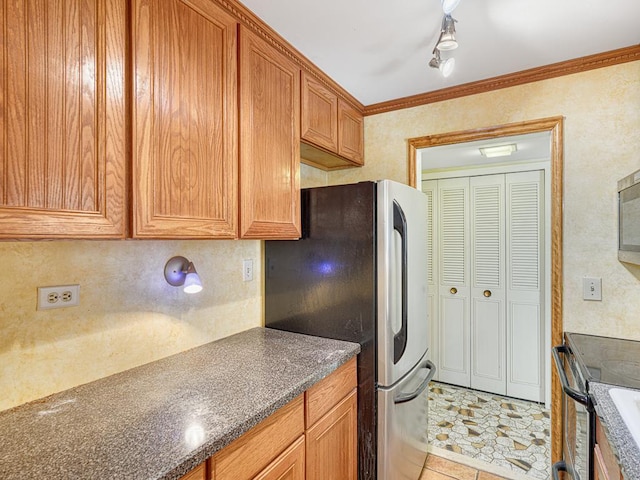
[502,431]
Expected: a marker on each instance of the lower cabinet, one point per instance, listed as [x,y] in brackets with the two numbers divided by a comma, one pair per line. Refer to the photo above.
[605,464]
[312,437]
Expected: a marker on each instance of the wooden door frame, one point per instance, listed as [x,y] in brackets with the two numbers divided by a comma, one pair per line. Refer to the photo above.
[554,125]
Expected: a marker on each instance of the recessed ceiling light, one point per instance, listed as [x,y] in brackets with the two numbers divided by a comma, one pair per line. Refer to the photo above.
[498,150]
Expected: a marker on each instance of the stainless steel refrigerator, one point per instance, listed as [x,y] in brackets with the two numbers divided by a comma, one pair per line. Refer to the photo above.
[359,273]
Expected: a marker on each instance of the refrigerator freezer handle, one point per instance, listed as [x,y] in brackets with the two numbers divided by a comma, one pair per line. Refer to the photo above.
[410,396]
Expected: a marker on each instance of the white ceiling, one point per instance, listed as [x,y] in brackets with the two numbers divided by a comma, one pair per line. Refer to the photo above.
[379,50]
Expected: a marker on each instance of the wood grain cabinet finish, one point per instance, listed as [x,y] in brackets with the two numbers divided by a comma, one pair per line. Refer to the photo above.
[606,465]
[198,473]
[288,466]
[332,131]
[269,141]
[350,133]
[184,120]
[63,149]
[319,114]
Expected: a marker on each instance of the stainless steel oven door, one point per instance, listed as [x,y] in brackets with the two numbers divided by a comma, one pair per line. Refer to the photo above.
[402,425]
[578,419]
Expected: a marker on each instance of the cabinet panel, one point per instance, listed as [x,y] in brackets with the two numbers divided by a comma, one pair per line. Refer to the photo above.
[319,114]
[350,133]
[332,443]
[184,118]
[198,473]
[321,397]
[288,466]
[63,119]
[269,141]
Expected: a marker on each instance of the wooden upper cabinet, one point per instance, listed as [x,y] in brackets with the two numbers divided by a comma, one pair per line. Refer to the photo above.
[63,150]
[350,133]
[319,114]
[184,120]
[269,141]
[332,130]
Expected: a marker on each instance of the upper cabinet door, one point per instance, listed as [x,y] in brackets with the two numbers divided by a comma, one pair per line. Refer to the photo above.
[269,141]
[184,120]
[350,133]
[63,147]
[319,115]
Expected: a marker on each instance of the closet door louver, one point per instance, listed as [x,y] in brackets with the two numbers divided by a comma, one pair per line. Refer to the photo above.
[488,350]
[453,289]
[429,188]
[525,234]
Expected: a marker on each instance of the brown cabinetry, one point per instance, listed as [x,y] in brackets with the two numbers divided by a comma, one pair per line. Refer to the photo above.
[605,464]
[269,141]
[184,120]
[63,119]
[332,130]
[331,436]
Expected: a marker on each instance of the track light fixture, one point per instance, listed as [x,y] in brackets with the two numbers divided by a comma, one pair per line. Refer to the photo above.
[446,40]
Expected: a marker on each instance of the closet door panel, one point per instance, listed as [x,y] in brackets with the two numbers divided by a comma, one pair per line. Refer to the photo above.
[525,244]
[453,281]
[430,188]
[488,351]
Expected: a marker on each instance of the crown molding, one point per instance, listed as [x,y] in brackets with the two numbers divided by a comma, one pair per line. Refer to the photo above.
[247,18]
[582,64]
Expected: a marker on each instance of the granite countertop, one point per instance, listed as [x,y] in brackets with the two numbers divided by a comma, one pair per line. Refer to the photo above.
[617,432]
[160,420]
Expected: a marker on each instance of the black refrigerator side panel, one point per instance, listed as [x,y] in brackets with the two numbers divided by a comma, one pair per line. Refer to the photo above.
[325,285]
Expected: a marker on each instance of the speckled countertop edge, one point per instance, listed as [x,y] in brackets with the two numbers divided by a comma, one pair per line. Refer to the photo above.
[160,420]
[617,432]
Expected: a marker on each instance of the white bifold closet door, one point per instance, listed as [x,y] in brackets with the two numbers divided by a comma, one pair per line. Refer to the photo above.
[487,242]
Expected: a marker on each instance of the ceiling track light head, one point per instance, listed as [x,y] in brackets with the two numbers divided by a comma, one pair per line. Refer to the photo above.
[447,39]
[449,6]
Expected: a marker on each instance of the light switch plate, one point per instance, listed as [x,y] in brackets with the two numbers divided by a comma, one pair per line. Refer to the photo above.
[592,288]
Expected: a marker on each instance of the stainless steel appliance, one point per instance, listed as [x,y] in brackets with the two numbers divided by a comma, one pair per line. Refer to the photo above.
[359,273]
[581,360]
[629,218]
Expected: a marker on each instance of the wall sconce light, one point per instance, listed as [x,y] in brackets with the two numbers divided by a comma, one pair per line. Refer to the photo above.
[180,271]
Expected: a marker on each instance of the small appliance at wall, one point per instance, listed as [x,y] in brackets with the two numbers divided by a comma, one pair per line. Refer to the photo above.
[629,218]
[359,273]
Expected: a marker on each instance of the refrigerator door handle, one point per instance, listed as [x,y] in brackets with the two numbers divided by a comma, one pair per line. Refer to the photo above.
[400,226]
[407,397]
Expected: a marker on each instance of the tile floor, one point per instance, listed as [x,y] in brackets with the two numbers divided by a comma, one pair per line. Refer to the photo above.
[513,435]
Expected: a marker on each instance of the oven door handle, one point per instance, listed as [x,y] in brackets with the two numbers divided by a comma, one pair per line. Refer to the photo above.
[557,467]
[572,392]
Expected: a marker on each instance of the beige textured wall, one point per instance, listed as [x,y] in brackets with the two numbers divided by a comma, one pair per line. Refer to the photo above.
[128,314]
[602,144]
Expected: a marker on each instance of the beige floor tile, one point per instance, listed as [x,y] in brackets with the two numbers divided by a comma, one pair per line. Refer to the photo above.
[489,476]
[452,469]
[433,475]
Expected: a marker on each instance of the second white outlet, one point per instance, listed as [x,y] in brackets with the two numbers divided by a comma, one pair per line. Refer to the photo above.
[247,270]
[58,297]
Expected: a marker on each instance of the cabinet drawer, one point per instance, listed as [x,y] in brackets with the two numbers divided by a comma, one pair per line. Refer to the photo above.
[325,394]
[253,451]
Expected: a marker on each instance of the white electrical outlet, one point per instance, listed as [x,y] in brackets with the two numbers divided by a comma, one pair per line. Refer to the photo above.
[592,288]
[58,297]
[247,270]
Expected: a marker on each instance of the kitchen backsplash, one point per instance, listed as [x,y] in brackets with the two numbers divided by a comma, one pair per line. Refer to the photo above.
[128,314]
